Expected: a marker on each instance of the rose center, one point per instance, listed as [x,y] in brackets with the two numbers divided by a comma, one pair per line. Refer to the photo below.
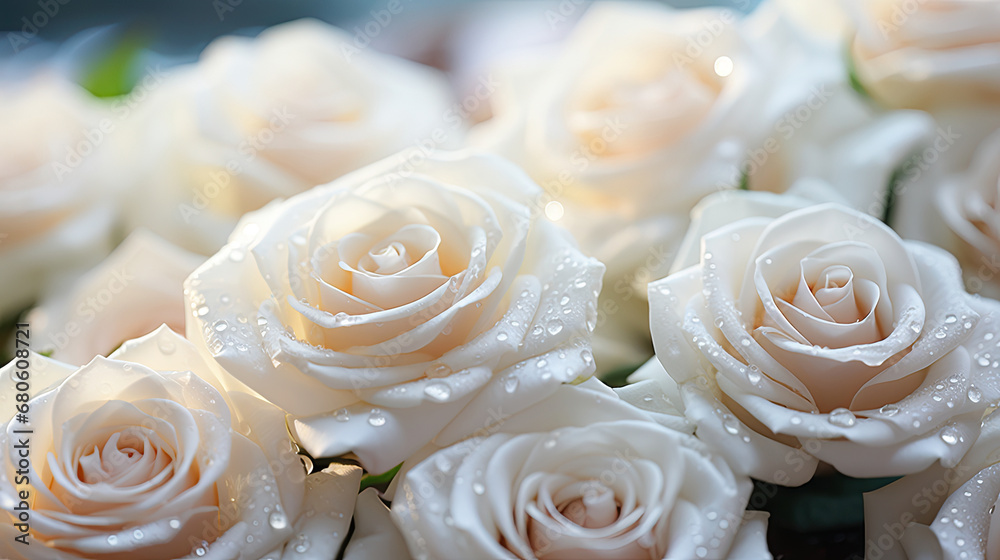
[595,509]
[127,457]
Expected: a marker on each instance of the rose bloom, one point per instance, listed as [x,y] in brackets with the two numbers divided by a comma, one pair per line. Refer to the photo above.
[413,296]
[580,475]
[626,126]
[135,289]
[817,334]
[269,117]
[969,204]
[928,54]
[941,513]
[140,456]
[55,186]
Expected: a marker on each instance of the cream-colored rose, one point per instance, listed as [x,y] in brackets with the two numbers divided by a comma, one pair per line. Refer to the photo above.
[969,204]
[269,117]
[56,208]
[135,289]
[928,54]
[640,113]
[140,456]
[400,301]
[580,475]
[941,514]
[375,536]
[816,334]
[824,140]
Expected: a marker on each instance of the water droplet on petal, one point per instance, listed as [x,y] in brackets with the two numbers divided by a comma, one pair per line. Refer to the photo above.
[510,383]
[301,543]
[437,391]
[478,488]
[175,523]
[376,418]
[555,327]
[501,336]
[112,540]
[975,395]
[438,370]
[949,436]
[842,417]
[731,424]
[949,319]
[342,415]
[278,520]
[889,410]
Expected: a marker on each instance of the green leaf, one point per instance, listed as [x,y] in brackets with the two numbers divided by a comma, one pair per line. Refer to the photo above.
[113,74]
[744,181]
[852,74]
[379,480]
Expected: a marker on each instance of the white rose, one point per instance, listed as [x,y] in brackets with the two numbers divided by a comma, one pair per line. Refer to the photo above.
[626,127]
[269,117]
[404,299]
[824,140]
[375,535]
[941,513]
[134,290]
[139,456]
[817,334]
[580,475]
[55,186]
[927,54]
[969,204]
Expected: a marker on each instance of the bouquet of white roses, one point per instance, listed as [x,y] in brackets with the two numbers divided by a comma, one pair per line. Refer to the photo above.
[667,284]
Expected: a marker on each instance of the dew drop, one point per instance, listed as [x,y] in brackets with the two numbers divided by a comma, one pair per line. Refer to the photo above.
[478,488]
[949,319]
[731,424]
[376,418]
[975,395]
[842,417]
[501,336]
[983,361]
[138,534]
[889,410]
[510,383]
[175,523]
[301,544]
[112,540]
[342,415]
[555,327]
[437,391]
[166,345]
[278,520]
[949,436]
[437,371]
